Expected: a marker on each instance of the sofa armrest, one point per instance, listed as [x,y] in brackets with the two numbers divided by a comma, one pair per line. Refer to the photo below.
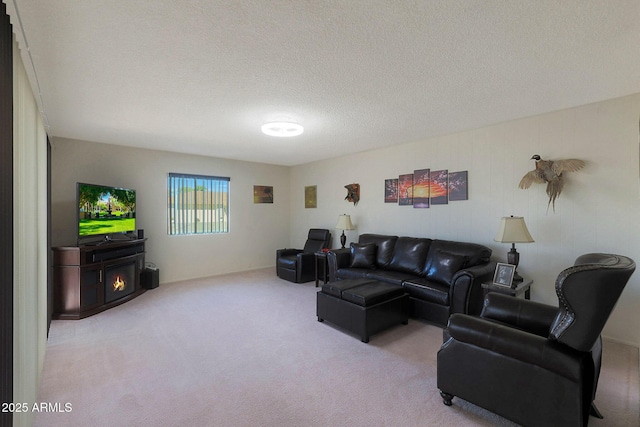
[515,344]
[479,273]
[466,288]
[336,259]
[529,316]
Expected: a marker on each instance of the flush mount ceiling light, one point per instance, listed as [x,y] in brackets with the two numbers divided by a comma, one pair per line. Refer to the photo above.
[282,129]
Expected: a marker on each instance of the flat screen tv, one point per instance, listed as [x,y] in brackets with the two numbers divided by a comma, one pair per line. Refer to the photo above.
[105,211]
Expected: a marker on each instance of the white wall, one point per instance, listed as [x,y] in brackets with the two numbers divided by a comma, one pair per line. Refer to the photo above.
[597,212]
[256,230]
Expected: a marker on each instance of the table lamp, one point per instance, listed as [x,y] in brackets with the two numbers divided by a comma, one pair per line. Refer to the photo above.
[513,230]
[344,223]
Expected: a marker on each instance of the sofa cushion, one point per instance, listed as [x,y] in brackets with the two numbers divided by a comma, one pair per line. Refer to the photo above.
[426,290]
[443,266]
[389,276]
[363,255]
[410,255]
[351,273]
[385,245]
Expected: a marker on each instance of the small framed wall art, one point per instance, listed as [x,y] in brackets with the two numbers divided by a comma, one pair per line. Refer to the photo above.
[311,197]
[262,194]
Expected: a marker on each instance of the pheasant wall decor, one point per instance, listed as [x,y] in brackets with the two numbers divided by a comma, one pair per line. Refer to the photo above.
[550,171]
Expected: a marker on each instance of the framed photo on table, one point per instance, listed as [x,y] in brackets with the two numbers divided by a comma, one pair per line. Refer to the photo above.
[504,274]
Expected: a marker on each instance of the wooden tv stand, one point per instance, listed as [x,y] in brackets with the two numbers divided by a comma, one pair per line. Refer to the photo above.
[80,274]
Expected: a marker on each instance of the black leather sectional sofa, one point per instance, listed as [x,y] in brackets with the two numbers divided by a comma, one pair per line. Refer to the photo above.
[441,277]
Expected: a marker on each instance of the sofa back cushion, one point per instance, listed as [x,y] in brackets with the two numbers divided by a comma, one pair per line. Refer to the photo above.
[476,254]
[384,244]
[444,265]
[446,258]
[363,255]
[410,255]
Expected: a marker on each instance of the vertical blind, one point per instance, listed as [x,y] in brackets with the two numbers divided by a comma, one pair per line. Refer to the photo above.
[198,204]
[30,246]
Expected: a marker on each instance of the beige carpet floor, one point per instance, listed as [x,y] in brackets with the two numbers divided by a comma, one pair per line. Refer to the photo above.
[246,349]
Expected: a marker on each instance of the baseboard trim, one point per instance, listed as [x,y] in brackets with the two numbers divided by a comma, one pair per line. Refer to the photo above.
[618,341]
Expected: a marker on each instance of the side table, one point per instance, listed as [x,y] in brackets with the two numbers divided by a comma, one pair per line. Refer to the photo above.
[321,261]
[523,287]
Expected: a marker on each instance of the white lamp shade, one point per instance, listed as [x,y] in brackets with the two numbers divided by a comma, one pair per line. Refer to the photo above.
[344,223]
[513,230]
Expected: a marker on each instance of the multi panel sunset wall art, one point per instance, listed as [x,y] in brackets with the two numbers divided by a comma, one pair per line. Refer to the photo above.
[424,188]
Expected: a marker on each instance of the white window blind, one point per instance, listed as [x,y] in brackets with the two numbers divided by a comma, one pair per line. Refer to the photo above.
[198,204]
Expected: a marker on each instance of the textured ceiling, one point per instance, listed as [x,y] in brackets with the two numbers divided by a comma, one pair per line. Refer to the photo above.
[202,76]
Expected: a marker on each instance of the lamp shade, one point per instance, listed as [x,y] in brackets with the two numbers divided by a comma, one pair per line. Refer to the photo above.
[513,230]
[344,223]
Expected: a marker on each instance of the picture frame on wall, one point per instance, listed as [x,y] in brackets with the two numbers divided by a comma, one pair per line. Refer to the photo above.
[439,187]
[458,186]
[503,275]
[421,188]
[262,194]
[311,197]
[391,190]
[405,190]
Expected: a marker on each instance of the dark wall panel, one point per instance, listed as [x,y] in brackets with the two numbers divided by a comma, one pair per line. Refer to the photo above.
[6,215]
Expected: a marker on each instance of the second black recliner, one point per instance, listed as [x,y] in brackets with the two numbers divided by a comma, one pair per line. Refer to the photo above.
[298,265]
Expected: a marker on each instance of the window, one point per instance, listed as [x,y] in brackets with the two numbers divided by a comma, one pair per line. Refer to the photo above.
[198,204]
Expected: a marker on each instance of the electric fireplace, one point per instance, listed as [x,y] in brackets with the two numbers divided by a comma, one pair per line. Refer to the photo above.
[88,279]
[120,281]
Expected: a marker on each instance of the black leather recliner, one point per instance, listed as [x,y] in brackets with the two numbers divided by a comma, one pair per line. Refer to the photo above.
[298,265]
[532,363]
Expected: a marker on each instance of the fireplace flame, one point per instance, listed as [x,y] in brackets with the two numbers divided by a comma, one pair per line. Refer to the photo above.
[118,284]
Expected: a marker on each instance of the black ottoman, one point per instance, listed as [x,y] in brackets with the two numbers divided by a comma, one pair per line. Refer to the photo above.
[362,306]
